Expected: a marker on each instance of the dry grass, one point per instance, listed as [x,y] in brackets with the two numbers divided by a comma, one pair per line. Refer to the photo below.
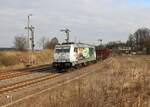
[14,59]
[125,82]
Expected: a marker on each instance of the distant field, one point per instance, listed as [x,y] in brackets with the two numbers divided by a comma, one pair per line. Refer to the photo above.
[15,59]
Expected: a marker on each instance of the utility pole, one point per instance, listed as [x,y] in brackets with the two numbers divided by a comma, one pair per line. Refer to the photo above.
[67,34]
[30,37]
[28,26]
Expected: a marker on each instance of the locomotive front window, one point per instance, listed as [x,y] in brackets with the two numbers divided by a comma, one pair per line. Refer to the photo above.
[65,50]
[62,50]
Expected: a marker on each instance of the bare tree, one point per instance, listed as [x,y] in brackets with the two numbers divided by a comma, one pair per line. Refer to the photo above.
[131,42]
[21,43]
[51,44]
[142,36]
[48,44]
[140,40]
[115,44]
[54,41]
[42,42]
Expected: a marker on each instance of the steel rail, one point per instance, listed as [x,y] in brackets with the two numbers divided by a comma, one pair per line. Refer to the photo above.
[12,74]
[26,83]
[9,76]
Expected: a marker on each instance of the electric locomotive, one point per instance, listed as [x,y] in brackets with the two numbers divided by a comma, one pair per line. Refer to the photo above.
[67,55]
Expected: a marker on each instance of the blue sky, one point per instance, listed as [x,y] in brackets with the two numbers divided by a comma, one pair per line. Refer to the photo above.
[140,2]
[89,20]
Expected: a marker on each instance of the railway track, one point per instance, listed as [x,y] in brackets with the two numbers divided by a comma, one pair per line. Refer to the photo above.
[25,83]
[22,84]
[35,68]
[12,74]
[24,69]
[7,71]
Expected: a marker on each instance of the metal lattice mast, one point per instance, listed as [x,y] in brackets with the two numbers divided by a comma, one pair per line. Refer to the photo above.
[30,30]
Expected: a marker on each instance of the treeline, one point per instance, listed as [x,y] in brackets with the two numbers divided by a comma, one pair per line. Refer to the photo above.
[138,41]
[21,43]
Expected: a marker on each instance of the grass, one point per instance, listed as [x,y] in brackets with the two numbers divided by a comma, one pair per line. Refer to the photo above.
[125,82]
[15,59]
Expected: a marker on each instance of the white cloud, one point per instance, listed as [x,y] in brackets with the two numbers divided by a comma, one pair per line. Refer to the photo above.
[89,20]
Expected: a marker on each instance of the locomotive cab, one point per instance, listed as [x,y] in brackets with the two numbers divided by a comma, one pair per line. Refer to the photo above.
[62,56]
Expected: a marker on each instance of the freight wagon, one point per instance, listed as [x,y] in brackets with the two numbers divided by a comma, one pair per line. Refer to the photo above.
[102,53]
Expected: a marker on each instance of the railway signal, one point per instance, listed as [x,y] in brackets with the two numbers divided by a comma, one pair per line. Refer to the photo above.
[30,37]
[67,34]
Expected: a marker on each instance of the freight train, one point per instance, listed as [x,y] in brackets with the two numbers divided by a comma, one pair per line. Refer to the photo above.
[67,55]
